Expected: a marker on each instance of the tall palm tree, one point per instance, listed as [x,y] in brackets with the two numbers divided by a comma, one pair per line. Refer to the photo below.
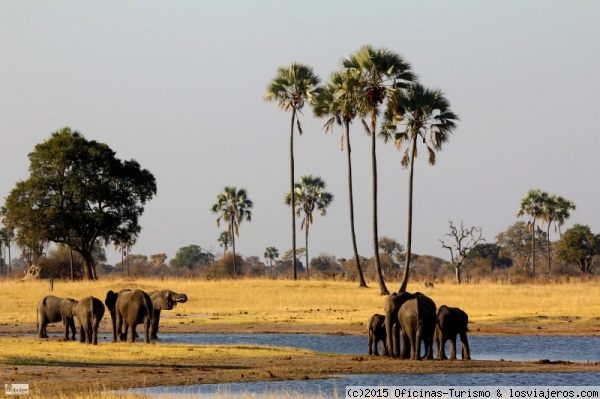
[271,253]
[293,87]
[532,205]
[340,101]
[124,245]
[425,116]
[380,72]
[310,195]
[556,210]
[234,207]
[224,241]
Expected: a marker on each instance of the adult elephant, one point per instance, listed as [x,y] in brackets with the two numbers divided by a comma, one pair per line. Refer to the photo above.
[163,300]
[376,333]
[450,323]
[89,312]
[393,326]
[52,309]
[128,308]
[417,317]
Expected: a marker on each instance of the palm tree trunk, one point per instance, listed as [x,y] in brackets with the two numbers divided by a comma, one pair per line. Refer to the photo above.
[362,282]
[548,245]
[293,204]
[306,247]
[411,174]
[382,288]
[233,250]
[533,247]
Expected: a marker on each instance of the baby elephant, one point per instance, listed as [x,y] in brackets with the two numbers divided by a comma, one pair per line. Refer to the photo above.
[89,312]
[376,333]
[450,323]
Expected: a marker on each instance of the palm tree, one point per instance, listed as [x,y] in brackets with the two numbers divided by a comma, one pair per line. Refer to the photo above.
[556,210]
[234,207]
[532,204]
[380,73]
[124,245]
[292,87]
[310,195]
[339,100]
[424,115]
[271,253]
[224,241]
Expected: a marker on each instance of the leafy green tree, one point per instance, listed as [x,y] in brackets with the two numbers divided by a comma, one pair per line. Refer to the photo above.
[421,115]
[491,252]
[271,253]
[555,211]
[380,73]
[233,207]
[515,242]
[339,100]
[533,205]
[190,257]
[392,248]
[291,88]
[580,246]
[78,194]
[309,195]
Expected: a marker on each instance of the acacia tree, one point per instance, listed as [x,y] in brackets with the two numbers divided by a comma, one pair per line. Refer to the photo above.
[392,248]
[380,73]
[234,207]
[340,101]
[310,195]
[579,246]
[78,194]
[291,88]
[464,241]
[424,115]
[533,205]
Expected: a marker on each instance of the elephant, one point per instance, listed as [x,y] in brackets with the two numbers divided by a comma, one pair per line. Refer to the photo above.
[163,300]
[376,333]
[450,323]
[52,309]
[128,308]
[393,325]
[417,317]
[89,312]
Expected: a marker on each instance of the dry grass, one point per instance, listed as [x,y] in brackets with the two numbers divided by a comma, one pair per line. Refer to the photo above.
[319,302]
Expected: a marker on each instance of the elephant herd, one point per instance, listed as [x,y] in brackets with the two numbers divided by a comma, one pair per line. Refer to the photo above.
[127,308]
[413,318]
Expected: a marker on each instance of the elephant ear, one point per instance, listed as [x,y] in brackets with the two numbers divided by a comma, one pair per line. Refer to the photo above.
[111,300]
[67,307]
[162,300]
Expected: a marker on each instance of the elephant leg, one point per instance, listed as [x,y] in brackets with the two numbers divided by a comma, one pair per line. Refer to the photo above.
[95,327]
[370,338]
[442,355]
[81,334]
[132,328]
[66,326]
[154,325]
[453,348]
[42,331]
[147,330]
[405,353]
[466,352]
[384,346]
[416,346]
[395,349]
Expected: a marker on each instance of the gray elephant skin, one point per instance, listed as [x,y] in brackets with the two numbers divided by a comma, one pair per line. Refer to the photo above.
[128,308]
[163,300]
[89,313]
[376,334]
[52,309]
[416,322]
[450,323]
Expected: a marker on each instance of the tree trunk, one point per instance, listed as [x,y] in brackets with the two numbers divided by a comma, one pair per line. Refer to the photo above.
[293,204]
[411,173]
[362,282]
[88,269]
[457,273]
[382,288]
[233,250]
[533,248]
[548,245]
[306,247]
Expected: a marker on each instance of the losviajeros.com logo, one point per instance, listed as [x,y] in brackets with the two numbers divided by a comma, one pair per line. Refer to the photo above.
[16,389]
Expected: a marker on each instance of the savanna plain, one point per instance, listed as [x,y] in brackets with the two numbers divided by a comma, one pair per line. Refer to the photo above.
[57,368]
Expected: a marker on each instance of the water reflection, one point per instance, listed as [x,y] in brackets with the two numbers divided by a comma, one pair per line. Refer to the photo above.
[336,388]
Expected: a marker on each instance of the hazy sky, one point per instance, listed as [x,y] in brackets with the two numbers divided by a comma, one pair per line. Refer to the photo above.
[179,87]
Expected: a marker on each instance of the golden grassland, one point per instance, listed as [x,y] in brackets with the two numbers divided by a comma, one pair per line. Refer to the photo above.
[305,303]
[66,369]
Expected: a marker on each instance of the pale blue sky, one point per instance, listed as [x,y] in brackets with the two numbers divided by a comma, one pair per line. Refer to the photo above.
[179,87]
